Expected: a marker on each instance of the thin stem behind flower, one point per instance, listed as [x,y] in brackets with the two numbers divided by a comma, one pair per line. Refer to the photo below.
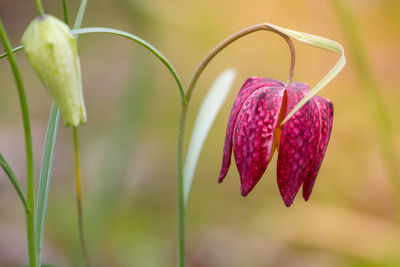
[79,198]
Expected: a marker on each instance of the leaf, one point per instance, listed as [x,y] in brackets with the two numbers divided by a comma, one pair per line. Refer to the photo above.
[45,174]
[319,42]
[205,118]
[80,15]
[7,169]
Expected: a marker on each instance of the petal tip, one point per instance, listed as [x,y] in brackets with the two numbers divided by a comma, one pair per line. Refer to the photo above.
[244,190]
[306,195]
[288,202]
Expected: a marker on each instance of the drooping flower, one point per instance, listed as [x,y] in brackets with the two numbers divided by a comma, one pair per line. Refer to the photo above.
[52,52]
[254,132]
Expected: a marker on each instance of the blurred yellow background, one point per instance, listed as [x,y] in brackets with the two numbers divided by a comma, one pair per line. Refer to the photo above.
[128,144]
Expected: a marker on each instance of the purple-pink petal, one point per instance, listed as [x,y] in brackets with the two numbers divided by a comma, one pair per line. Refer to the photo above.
[249,86]
[253,134]
[298,145]
[324,107]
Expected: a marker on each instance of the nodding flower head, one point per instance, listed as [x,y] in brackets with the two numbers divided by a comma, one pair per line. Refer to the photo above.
[52,52]
[254,132]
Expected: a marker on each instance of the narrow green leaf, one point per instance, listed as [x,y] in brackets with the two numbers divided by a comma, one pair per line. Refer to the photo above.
[81,13]
[7,169]
[319,42]
[16,49]
[45,174]
[205,118]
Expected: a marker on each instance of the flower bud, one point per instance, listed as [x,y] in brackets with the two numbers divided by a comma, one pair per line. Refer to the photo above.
[52,52]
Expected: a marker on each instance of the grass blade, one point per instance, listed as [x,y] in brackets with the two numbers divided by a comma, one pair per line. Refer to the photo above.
[205,118]
[80,15]
[45,174]
[7,169]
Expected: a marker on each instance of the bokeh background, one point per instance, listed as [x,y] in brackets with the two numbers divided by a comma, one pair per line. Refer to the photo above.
[128,144]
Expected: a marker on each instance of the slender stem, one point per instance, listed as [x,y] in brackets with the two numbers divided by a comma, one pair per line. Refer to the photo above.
[39,7]
[85,255]
[65,11]
[79,198]
[30,216]
[13,179]
[142,42]
[183,115]
[180,194]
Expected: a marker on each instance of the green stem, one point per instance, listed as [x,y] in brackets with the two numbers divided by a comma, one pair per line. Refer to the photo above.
[230,40]
[142,42]
[65,11]
[7,169]
[79,198]
[180,194]
[30,218]
[183,116]
[39,7]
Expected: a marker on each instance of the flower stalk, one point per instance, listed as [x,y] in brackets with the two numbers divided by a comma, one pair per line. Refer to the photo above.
[39,7]
[79,198]
[183,115]
[30,194]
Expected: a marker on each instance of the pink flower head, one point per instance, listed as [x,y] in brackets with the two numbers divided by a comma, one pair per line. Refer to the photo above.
[254,132]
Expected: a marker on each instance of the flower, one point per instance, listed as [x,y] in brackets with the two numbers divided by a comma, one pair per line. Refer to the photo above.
[254,132]
[52,52]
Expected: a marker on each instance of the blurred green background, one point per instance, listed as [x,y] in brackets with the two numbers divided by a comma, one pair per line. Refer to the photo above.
[128,144]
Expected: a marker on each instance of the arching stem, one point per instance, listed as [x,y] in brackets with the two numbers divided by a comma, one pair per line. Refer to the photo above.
[230,40]
[183,115]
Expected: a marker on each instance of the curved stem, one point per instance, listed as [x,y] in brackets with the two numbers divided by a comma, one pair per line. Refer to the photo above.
[142,42]
[30,198]
[230,40]
[183,115]
[79,198]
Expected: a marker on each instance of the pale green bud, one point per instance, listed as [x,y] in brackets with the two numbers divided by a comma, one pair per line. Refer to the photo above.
[52,51]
